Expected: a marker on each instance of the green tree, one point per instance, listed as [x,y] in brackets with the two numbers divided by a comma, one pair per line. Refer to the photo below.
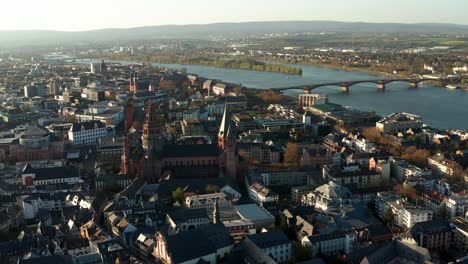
[389,217]
[178,195]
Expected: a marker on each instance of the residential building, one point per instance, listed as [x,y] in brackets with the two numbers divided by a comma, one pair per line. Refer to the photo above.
[260,152]
[244,122]
[312,99]
[206,201]
[330,244]
[316,156]
[47,176]
[435,235]
[220,89]
[187,219]
[354,175]
[262,194]
[208,245]
[287,178]
[439,163]
[87,133]
[399,122]
[274,244]
[405,214]
[460,234]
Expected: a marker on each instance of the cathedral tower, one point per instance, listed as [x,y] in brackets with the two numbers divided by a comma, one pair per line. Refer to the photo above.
[153,129]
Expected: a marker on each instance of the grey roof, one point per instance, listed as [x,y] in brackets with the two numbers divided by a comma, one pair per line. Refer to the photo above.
[203,241]
[253,212]
[51,173]
[47,260]
[269,239]
[182,215]
[334,190]
[431,227]
[88,125]
[195,150]
[326,237]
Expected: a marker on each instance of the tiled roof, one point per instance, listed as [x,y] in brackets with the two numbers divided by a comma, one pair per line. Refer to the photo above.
[197,243]
[269,239]
[88,125]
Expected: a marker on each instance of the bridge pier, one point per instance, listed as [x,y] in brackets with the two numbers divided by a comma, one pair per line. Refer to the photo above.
[345,88]
[381,87]
[414,84]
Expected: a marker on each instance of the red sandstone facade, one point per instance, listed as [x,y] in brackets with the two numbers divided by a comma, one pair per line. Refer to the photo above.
[156,159]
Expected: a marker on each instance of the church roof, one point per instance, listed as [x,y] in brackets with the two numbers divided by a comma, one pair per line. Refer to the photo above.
[226,129]
[195,150]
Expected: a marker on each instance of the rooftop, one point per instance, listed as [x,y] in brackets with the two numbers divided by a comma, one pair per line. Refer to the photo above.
[269,239]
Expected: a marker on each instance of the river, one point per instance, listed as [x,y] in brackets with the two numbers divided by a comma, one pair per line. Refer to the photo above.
[439,107]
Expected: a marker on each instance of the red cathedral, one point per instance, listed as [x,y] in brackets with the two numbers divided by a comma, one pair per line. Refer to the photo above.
[150,155]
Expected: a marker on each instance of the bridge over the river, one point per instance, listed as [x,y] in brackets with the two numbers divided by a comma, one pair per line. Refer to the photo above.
[346,84]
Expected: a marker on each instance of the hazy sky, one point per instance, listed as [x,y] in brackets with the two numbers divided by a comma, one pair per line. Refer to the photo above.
[73,15]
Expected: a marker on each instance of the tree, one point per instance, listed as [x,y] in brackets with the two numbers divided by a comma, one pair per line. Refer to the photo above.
[407,191]
[292,155]
[211,188]
[301,253]
[172,131]
[416,156]
[389,217]
[71,119]
[178,195]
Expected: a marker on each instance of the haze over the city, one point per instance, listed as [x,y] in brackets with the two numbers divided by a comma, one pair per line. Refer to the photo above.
[89,14]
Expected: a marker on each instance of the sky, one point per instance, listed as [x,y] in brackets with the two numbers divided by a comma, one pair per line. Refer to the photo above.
[79,15]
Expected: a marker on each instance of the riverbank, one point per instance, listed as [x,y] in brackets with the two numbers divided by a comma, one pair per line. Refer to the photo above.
[226,63]
[343,68]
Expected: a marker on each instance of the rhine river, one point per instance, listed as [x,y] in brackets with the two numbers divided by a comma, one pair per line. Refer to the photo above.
[439,107]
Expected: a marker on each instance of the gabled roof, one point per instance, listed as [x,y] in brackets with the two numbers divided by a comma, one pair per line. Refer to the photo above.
[269,239]
[51,173]
[88,125]
[197,243]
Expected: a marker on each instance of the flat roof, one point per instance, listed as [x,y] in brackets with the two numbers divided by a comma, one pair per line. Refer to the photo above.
[252,212]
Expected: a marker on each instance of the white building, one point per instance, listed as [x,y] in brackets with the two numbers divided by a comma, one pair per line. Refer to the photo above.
[220,89]
[328,198]
[312,99]
[206,201]
[329,244]
[87,133]
[262,194]
[274,244]
[405,214]
[399,122]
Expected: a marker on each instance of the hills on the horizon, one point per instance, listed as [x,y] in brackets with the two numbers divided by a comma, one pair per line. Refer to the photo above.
[219,30]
